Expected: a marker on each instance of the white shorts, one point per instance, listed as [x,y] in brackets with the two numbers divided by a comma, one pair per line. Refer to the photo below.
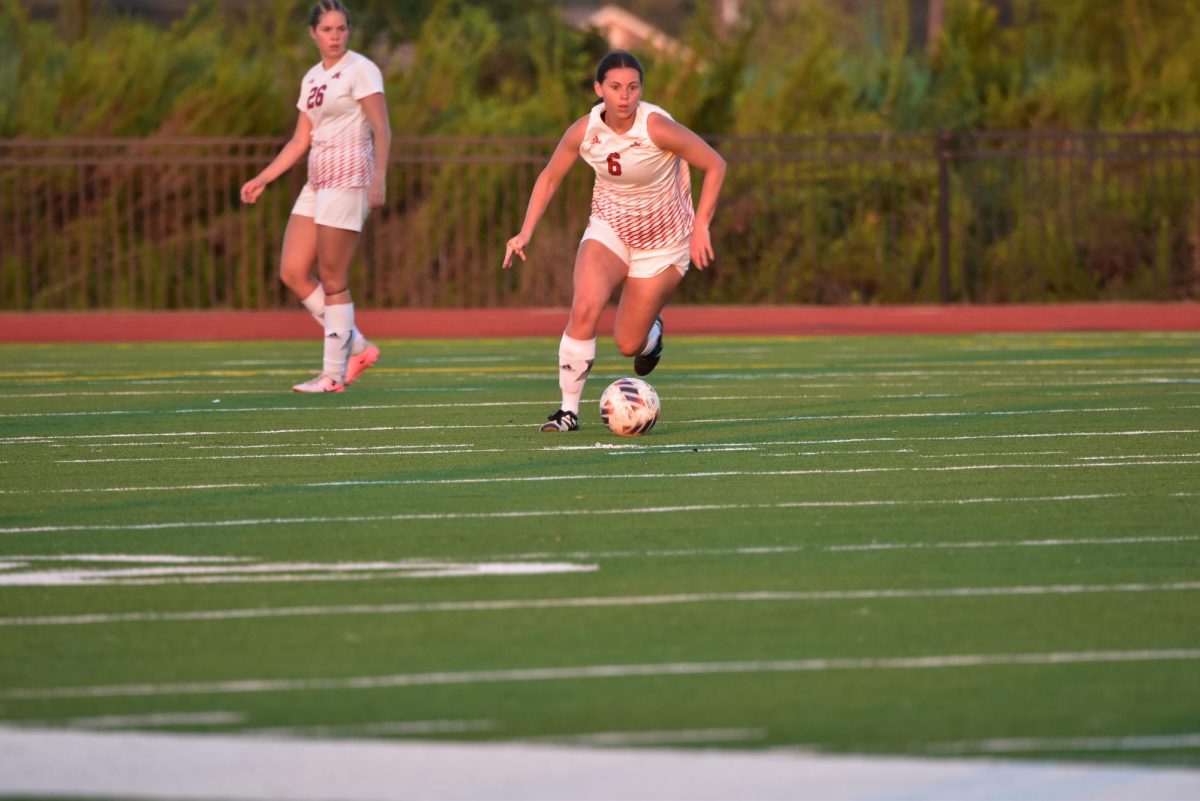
[642,262]
[336,208]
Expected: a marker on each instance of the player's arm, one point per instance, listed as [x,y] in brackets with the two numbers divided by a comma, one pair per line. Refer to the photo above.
[680,140]
[375,110]
[296,147]
[545,186]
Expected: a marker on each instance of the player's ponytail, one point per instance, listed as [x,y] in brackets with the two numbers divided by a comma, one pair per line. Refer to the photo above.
[324,7]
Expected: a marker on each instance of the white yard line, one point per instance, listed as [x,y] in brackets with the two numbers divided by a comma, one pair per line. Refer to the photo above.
[255,768]
[423,566]
[392,728]
[912,384]
[131,558]
[152,720]
[756,596]
[326,453]
[935,415]
[597,672]
[992,454]
[768,550]
[1016,745]
[674,737]
[278,572]
[39,439]
[388,450]
[542,513]
[615,447]
[175,488]
[217,409]
[1040,543]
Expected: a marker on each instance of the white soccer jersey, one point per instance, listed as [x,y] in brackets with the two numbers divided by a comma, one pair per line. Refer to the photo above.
[644,193]
[342,154]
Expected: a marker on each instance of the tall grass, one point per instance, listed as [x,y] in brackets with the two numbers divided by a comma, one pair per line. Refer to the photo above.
[467,67]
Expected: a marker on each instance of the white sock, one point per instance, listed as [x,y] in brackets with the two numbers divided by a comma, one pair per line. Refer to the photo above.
[315,303]
[339,337]
[575,357]
[652,338]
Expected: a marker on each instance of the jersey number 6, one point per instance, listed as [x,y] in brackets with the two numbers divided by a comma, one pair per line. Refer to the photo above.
[614,163]
[317,96]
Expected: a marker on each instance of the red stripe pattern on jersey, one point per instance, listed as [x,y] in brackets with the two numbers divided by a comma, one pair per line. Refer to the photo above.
[656,217]
[346,160]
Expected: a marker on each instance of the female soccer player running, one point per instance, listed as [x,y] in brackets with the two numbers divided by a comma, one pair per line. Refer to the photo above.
[343,125]
[642,231]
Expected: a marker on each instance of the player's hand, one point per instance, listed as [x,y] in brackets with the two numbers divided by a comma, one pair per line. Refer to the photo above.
[515,245]
[377,192]
[701,247]
[252,189]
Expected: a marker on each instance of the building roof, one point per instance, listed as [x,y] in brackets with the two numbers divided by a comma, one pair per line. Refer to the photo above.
[624,30]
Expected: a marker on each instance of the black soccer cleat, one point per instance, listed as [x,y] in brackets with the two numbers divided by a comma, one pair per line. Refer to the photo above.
[561,420]
[644,364]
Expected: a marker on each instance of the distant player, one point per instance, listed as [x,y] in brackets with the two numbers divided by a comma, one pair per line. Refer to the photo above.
[642,231]
[343,126]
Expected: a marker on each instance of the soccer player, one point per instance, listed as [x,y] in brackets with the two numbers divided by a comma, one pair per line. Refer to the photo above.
[642,232]
[343,126]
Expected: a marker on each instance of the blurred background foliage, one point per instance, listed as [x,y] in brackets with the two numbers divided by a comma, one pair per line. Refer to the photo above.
[882,151]
[517,67]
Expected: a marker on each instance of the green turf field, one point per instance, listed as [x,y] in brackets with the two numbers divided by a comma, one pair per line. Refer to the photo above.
[917,545]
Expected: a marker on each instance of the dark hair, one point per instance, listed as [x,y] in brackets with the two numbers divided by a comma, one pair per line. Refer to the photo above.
[617,59]
[324,7]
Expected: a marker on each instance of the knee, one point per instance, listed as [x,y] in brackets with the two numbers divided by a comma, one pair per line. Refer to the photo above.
[629,346]
[292,277]
[585,314]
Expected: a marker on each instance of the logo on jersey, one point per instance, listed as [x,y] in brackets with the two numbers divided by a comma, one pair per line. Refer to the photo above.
[335,76]
[595,140]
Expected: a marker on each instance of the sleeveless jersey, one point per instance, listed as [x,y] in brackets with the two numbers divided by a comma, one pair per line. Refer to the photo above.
[644,193]
[342,154]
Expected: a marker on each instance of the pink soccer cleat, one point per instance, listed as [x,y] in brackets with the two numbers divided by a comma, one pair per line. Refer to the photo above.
[356,364]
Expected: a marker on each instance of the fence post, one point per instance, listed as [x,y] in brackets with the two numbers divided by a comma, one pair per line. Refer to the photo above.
[942,150]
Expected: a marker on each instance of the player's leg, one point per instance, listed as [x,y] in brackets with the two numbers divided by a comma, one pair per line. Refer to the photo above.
[299,259]
[335,251]
[298,262]
[363,353]
[638,329]
[339,217]
[598,272]
[296,272]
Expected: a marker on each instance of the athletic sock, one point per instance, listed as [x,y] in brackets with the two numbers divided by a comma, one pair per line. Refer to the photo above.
[339,337]
[652,338]
[575,357]
[315,303]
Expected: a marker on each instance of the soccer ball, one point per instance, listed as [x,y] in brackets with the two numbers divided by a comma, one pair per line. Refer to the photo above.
[629,407]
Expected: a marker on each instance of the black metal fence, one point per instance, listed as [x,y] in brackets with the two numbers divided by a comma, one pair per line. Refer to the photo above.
[881,218]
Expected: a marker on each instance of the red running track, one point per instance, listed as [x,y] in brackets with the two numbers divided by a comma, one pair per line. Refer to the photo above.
[549,322]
